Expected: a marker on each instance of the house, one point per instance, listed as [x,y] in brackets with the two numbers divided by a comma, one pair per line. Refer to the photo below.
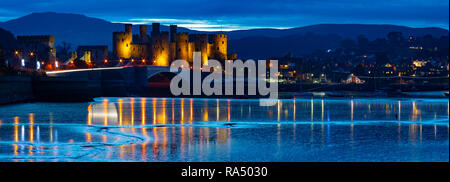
[353,79]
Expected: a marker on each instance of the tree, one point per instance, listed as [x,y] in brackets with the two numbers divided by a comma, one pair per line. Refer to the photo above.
[359,70]
[63,51]
[378,45]
[348,44]
[427,41]
[443,45]
[381,58]
[2,58]
[394,37]
[363,43]
[397,45]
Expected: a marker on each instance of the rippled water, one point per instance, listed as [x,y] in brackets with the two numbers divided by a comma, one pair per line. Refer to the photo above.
[167,129]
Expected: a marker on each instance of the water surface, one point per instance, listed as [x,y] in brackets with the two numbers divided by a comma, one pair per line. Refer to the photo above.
[175,129]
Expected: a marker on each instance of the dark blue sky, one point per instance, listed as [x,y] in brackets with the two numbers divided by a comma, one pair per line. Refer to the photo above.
[244,14]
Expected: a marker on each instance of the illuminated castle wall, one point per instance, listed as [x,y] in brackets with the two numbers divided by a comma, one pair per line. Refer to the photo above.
[122,42]
[163,47]
[199,43]
[218,46]
[160,46]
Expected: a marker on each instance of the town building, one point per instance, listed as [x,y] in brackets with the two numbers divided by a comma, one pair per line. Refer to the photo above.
[97,54]
[35,51]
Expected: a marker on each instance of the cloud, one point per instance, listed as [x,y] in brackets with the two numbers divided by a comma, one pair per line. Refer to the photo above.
[242,14]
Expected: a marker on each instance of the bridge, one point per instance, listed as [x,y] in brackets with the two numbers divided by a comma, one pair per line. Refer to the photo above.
[148,73]
[82,84]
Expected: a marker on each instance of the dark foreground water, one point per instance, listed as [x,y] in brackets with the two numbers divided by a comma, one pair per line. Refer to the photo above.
[166,129]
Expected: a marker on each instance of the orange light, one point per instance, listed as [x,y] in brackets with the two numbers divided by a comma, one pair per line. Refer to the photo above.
[71,62]
[132,60]
[143,60]
[106,61]
[32,54]
[42,63]
[120,60]
[16,52]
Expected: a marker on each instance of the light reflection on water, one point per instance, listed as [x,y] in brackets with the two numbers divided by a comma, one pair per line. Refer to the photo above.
[173,129]
[123,112]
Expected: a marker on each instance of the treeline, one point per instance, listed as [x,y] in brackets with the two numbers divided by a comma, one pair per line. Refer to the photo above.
[396,44]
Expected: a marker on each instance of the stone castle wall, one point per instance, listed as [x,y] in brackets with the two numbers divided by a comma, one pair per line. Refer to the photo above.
[162,47]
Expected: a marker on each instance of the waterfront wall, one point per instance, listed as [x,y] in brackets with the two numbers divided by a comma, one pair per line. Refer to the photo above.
[86,85]
[140,81]
[75,86]
[65,90]
[15,89]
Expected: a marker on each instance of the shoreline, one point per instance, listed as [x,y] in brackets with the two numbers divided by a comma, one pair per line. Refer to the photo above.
[28,89]
[283,95]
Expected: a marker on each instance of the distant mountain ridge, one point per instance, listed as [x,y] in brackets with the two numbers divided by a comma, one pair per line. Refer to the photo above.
[82,30]
[73,28]
[371,31]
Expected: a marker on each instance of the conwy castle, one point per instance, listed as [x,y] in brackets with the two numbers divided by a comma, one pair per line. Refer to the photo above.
[163,47]
[159,48]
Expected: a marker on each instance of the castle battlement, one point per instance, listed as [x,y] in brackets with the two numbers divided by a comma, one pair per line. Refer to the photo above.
[163,47]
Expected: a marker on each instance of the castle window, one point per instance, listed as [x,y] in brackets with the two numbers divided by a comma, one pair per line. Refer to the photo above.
[223,42]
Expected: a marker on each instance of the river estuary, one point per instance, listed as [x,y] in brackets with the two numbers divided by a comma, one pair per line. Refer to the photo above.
[238,130]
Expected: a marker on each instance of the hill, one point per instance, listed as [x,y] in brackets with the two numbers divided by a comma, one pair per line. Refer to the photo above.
[7,40]
[255,43]
[371,31]
[73,28]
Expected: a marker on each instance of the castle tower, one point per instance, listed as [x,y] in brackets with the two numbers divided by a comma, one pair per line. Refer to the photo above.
[172,44]
[155,27]
[173,32]
[160,48]
[143,33]
[129,28]
[218,48]
[182,46]
[200,44]
[122,42]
